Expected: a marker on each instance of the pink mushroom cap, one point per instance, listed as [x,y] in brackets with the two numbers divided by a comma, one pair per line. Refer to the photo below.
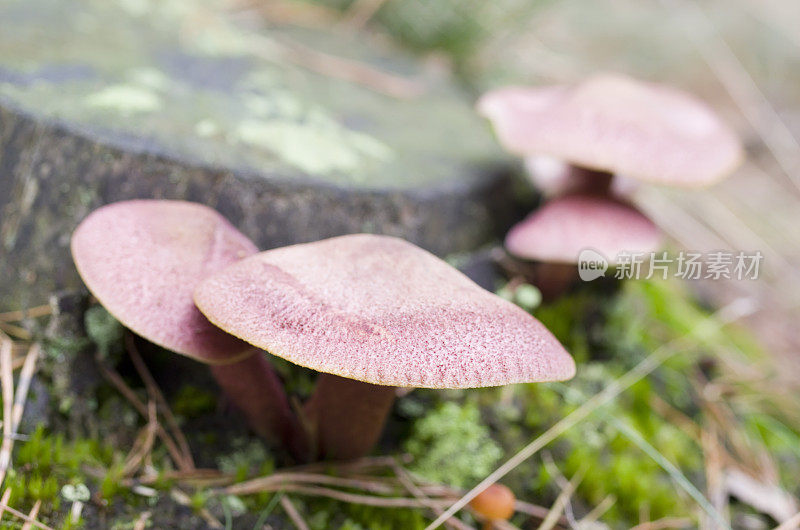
[616,124]
[142,260]
[559,230]
[380,310]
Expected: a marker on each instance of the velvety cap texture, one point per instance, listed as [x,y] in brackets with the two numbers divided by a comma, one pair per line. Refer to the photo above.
[559,230]
[617,124]
[143,259]
[380,310]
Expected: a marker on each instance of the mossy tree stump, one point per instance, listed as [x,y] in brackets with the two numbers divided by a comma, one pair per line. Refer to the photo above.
[293,134]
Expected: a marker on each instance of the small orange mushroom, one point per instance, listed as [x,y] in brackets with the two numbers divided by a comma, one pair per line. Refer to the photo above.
[495,503]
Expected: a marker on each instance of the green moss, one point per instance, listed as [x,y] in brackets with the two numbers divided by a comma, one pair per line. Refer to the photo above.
[192,401]
[103,329]
[46,463]
[452,445]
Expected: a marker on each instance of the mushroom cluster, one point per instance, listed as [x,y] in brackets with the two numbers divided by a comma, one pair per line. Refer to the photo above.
[585,145]
[370,313]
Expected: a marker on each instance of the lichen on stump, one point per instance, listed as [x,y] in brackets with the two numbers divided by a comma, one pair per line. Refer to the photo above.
[105,101]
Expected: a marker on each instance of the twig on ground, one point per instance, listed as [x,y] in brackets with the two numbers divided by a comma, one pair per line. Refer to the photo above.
[353,498]
[4,500]
[293,514]
[271,481]
[32,515]
[33,312]
[16,331]
[18,514]
[116,380]
[143,443]
[152,388]
[408,483]
[206,477]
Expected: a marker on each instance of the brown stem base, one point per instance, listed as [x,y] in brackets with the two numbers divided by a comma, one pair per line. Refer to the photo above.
[554,279]
[255,389]
[588,181]
[347,416]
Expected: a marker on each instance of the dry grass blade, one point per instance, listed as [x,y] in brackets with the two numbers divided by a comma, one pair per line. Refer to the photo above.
[18,514]
[141,521]
[33,312]
[155,392]
[4,500]
[14,407]
[634,436]
[32,515]
[715,481]
[116,380]
[16,331]
[143,444]
[24,383]
[7,381]
[561,502]
[664,524]
[408,483]
[293,514]
[206,477]
[741,86]
[270,482]
[709,325]
[353,498]
[345,468]
[184,500]
[597,512]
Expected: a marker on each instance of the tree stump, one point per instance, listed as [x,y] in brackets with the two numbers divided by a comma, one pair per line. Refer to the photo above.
[294,134]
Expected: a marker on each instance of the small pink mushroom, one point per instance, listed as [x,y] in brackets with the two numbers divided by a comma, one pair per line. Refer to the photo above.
[555,235]
[373,313]
[142,260]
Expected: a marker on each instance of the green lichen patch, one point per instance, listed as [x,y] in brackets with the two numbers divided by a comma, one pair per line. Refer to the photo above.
[223,94]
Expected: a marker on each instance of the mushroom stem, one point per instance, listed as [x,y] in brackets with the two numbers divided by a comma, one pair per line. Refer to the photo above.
[554,279]
[255,389]
[348,415]
[584,180]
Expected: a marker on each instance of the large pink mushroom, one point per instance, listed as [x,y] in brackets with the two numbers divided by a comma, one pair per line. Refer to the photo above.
[142,260]
[555,235]
[373,313]
[612,124]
